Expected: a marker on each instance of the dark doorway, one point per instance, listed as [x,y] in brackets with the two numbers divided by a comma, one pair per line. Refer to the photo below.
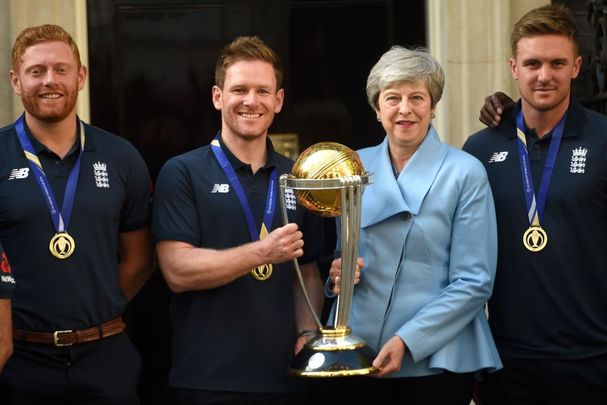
[152,62]
[591,19]
[151,73]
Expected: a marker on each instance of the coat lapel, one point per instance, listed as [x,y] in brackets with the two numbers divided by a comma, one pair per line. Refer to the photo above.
[388,196]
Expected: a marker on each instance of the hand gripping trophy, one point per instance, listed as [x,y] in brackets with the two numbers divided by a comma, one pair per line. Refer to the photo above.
[328,179]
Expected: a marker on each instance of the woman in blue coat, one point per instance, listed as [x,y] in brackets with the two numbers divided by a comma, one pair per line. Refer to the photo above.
[428,246]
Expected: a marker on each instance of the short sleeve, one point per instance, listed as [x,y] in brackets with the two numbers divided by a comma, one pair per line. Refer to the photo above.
[174,212]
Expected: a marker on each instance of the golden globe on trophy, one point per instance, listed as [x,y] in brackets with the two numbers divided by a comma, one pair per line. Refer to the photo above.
[328,180]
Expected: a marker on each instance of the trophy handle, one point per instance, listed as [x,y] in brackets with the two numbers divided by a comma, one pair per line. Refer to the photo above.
[285,219]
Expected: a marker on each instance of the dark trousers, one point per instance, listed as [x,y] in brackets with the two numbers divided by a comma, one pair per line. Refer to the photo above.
[101,372]
[180,396]
[441,389]
[547,382]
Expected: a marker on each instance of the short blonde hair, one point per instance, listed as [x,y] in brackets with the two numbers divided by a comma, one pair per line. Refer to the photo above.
[401,64]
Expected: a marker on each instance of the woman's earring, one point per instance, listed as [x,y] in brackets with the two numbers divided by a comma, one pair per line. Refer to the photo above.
[433,116]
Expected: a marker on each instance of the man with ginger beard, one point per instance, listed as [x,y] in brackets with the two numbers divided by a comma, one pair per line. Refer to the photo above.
[74,218]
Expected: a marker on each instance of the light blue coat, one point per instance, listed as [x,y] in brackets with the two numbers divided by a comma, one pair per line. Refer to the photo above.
[429,242]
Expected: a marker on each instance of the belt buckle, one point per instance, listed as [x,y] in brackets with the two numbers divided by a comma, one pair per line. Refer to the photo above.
[56,337]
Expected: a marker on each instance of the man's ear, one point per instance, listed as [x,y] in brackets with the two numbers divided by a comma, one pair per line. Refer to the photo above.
[15,82]
[513,67]
[82,75]
[217,96]
[280,99]
[577,65]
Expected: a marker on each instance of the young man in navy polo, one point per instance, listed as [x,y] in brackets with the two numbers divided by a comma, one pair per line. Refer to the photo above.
[74,215]
[225,252]
[548,173]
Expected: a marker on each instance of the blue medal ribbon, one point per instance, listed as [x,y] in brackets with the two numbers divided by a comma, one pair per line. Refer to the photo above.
[61,218]
[535,207]
[270,204]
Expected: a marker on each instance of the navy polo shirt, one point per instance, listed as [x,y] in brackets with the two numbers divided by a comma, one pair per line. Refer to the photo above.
[112,196]
[7,281]
[240,336]
[550,304]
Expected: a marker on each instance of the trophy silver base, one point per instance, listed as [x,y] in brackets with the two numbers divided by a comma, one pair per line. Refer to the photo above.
[334,353]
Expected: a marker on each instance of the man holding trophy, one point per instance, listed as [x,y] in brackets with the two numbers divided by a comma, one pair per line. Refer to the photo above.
[237,307]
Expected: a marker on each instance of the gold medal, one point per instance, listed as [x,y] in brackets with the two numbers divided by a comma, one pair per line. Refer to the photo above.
[62,245]
[535,238]
[262,273]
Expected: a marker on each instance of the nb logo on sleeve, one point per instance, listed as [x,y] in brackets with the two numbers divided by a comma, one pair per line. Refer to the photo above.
[220,188]
[19,173]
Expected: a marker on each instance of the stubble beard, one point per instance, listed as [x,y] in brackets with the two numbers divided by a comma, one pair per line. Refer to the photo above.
[50,114]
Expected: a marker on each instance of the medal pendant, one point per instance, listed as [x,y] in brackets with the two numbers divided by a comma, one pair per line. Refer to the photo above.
[62,245]
[535,238]
[262,273]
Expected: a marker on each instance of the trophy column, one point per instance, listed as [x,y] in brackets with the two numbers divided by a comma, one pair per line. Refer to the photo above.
[350,193]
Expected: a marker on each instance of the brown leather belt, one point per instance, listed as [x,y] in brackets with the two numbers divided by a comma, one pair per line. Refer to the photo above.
[72,337]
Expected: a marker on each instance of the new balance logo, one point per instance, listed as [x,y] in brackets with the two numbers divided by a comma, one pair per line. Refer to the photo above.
[19,173]
[221,188]
[498,157]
